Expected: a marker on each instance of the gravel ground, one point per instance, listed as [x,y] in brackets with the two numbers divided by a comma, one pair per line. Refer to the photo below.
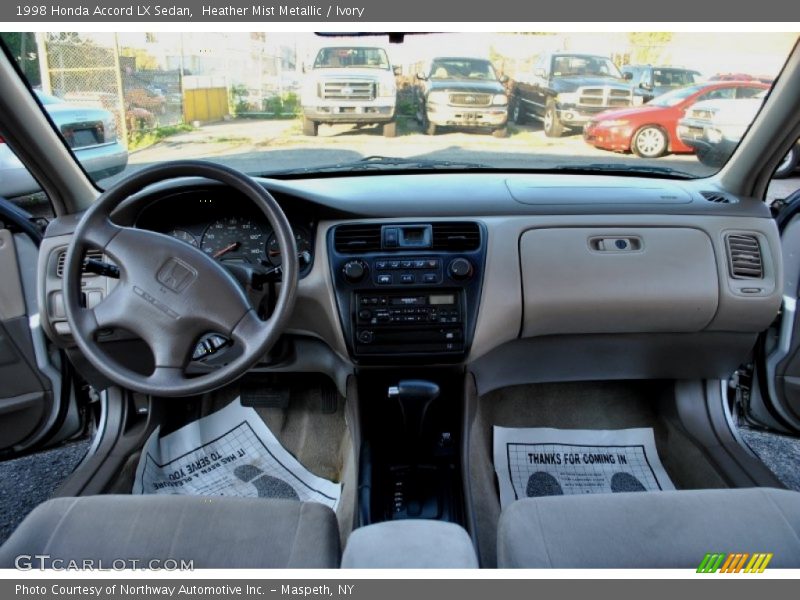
[28,481]
[781,453]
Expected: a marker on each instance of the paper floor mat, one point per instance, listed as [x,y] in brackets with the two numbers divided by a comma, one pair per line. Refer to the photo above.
[543,461]
[228,453]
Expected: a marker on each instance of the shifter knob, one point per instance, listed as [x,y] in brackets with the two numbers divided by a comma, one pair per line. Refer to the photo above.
[414,396]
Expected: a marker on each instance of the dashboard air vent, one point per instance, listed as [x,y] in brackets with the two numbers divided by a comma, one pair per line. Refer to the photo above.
[744,256]
[458,236]
[357,238]
[718,197]
[62,256]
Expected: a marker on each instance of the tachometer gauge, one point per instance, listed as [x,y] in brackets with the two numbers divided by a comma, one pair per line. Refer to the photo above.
[235,239]
[302,240]
[185,236]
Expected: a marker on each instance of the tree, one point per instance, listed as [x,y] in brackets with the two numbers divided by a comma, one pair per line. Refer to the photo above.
[649,47]
[143,60]
[25,51]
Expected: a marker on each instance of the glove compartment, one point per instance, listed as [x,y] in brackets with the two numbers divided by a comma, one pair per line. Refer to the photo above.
[613,280]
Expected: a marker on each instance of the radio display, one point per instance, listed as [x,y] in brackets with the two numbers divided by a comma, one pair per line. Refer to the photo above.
[441,299]
[408,300]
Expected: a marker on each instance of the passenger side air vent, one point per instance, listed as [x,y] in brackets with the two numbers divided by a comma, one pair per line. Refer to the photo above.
[456,237]
[62,256]
[744,256]
[718,197]
[357,238]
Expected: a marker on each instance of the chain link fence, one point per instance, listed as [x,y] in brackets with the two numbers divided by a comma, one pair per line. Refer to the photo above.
[146,93]
[93,71]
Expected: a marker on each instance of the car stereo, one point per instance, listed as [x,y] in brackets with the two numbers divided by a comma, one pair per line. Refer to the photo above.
[407,291]
[430,322]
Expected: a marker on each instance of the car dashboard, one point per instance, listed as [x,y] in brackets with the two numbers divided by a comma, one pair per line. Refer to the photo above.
[518,277]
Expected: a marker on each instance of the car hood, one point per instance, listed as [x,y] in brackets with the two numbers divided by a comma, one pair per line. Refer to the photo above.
[351,73]
[466,85]
[571,84]
[63,114]
[661,89]
[629,113]
[731,111]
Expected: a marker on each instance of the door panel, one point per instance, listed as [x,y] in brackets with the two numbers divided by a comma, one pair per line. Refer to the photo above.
[26,393]
[776,403]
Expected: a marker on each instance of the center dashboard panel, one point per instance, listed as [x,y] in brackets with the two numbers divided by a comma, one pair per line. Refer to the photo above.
[407,291]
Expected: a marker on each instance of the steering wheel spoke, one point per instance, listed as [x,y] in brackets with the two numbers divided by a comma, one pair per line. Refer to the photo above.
[172,351]
[166,377]
[101,231]
[248,328]
[110,313]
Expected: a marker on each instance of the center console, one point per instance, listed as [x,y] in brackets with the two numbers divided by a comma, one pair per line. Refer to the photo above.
[407,296]
[408,291]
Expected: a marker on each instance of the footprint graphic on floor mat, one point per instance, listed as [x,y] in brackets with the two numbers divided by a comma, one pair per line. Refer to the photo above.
[543,484]
[267,486]
[625,482]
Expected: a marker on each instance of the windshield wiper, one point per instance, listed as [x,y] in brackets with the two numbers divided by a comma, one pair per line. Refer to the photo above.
[621,168]
[379,163]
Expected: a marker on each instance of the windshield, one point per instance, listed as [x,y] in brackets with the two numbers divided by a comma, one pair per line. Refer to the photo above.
[337,58]
[672,77]
[583,66]
[460,68]
[294,104]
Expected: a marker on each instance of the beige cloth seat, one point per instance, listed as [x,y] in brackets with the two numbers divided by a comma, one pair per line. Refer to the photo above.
[672,529]
[213,532]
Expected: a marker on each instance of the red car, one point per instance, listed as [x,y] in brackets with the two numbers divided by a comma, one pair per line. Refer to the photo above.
[649,131]
[741,77]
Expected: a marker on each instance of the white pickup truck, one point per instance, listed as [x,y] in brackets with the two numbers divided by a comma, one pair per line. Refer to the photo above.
[715,127]
[350,84]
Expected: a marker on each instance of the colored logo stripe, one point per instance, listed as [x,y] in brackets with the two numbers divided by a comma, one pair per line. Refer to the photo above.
[710,563]
[734,562]
[758,563]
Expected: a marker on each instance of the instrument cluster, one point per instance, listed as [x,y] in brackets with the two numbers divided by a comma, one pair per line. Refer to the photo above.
[228,229]
[242,239]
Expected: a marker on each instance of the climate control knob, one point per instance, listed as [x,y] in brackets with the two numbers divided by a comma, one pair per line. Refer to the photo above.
[354,270]
[460,269]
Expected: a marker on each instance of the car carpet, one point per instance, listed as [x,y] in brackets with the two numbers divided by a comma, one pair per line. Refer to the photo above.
[318,438]
[28,481]
[780,453]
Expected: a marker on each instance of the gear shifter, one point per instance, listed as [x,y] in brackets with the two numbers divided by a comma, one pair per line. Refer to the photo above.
[415,485]
[414,396]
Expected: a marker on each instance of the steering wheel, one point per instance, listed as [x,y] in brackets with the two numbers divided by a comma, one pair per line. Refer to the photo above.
[170,293]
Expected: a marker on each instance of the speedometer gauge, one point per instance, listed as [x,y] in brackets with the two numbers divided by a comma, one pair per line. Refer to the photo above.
[235,239]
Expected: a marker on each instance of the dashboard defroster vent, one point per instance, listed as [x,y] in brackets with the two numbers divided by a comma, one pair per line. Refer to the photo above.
[357,238]
[62,256]
[456,236]
[718,197]
[744,256]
